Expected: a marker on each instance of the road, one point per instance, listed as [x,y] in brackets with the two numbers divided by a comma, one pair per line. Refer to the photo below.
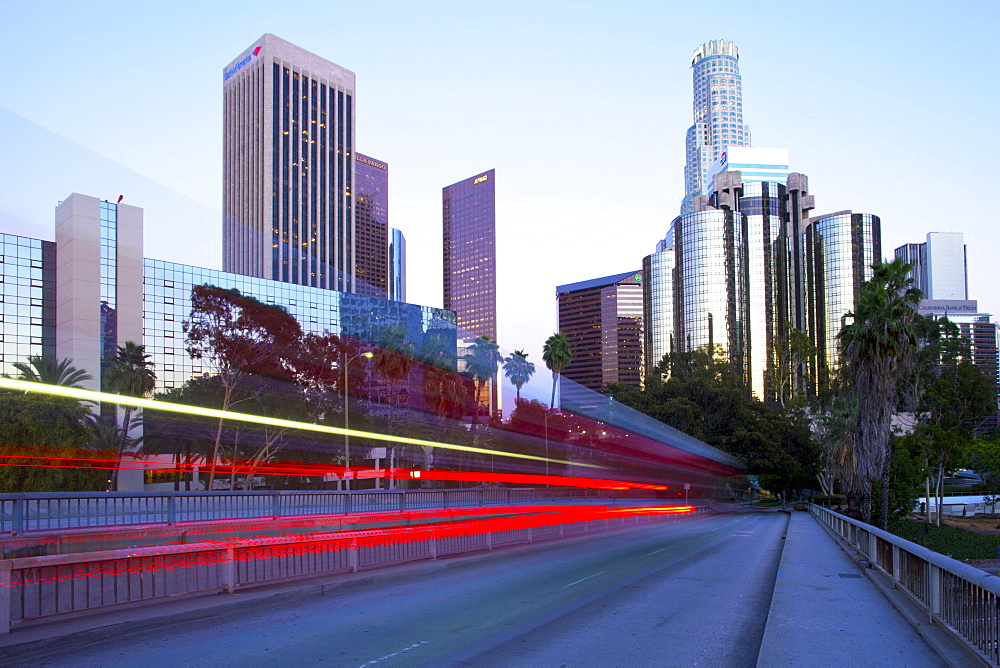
[688,593]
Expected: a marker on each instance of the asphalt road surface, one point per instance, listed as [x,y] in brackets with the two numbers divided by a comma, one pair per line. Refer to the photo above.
[689,593]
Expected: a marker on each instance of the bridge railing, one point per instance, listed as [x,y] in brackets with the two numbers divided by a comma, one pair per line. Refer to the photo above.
[33,589]
[21,513]
[959,597]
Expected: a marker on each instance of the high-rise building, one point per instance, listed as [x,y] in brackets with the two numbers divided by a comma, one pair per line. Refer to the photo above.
[602,320]
[288,202]
[92,290]
[718,114]
[747,266]
[371,247]
[397,265]
[939,265]
[470,281]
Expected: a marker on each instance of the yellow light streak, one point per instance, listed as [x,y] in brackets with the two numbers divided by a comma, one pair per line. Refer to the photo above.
[184,409]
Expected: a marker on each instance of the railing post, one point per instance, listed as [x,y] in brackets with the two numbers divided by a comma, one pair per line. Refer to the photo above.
[347,503]
[352,557]
[17,521]
[5,597]
[896,564]
[444,499]
[228,567]
[933,591]
[171,510]
[434,545]
[402,501]
[482,497]
[276,504]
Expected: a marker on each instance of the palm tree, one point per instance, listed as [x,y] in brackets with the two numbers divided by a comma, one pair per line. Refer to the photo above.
[131,374]
[877,350]
[518,369]
[52,371]
[481,362]
[557,355]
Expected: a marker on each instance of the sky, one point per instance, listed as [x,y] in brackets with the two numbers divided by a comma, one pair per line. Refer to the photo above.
[890,108]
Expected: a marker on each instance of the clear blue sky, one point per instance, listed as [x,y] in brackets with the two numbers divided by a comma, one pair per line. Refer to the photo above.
[889,107]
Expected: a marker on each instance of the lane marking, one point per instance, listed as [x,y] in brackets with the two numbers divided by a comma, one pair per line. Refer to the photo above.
[389,656]
[652,553]
[583,579]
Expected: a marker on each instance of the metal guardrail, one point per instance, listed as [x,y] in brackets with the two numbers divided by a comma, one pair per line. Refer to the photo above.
[959,597]
[35,588]
[21,513]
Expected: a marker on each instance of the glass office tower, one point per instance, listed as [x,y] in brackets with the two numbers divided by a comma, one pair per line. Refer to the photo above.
[658,302]
[372,226]
[718,114]
[470,265]
[288,165]
[397,265]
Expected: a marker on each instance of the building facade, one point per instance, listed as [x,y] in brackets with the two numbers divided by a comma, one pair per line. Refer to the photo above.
[470,274]
[718,114]
[940,267]
[371,266]
[749,266]
[603,321]
[92,290]
[288,165]
[397,265]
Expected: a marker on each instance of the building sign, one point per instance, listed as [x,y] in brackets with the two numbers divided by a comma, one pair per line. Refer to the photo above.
[369,161]
[238,66]
[480,179]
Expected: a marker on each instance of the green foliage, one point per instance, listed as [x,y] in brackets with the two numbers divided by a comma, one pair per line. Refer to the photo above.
[877,350]
[557,355]
[703,397]
[518,370]
[52,371]
[956,543]
[36,432]
[984,459]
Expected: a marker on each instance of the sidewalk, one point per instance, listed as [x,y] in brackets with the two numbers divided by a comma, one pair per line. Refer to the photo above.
[824,612]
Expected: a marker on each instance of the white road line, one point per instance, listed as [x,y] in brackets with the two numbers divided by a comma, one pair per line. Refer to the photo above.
[586,578]
[652,553]
[389,656]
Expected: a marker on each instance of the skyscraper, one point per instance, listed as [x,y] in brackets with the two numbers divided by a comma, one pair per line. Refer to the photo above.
[602,320]
[939,265]
[288,205]
[470,282]
[397,265]
[718,114]
[372,226]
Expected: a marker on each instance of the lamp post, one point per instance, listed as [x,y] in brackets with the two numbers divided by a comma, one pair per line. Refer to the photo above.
[347,437]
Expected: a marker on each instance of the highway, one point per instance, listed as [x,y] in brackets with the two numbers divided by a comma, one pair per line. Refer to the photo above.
[694,592]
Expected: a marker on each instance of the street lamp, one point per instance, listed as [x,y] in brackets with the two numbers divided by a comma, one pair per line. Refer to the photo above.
[347,437]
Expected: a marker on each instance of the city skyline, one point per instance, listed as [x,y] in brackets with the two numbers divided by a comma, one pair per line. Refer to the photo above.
[582,163]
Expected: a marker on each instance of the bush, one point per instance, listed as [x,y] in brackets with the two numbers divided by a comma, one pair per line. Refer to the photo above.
[952,542]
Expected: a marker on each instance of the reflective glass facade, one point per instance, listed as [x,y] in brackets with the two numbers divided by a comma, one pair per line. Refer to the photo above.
[658,303]
[372,226]
[109,284]
[840,249]
[167,303]
[718,114]
[27,300]
[288,204]
[470,278]
[397,265]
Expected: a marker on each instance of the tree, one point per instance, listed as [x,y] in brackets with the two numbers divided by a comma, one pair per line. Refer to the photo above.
[51,371]
[481,362]
[130,373]
[557,355]
[701,394]
[877,349]
[518,370]
[984,459]
[41,440]
[237,335]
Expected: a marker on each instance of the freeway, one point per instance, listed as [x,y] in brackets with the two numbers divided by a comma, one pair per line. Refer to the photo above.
[692,592]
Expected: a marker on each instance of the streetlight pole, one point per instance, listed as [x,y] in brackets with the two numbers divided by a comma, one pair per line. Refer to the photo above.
[347,427]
